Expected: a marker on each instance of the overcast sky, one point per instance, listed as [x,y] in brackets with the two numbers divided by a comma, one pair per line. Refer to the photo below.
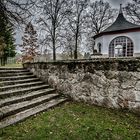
[116,3]
[113,3]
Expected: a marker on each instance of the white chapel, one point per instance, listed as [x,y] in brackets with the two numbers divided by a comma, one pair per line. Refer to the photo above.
[121,39]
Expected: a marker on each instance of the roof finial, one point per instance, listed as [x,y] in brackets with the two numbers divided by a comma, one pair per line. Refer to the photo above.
[121,11]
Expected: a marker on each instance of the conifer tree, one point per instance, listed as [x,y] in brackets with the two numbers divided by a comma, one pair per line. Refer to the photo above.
[30,47]
[2,46]
[6,35]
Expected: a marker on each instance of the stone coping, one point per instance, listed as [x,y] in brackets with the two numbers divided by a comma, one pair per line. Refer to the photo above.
[92,60]
[119,64]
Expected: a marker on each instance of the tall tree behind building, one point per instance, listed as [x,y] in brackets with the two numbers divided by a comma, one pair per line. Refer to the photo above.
[100,16]
[133,11]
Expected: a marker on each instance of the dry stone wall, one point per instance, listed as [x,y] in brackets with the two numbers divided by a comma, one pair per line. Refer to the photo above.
[112,83]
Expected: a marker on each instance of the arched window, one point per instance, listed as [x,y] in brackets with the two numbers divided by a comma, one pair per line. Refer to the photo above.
[99,45]
[121,46]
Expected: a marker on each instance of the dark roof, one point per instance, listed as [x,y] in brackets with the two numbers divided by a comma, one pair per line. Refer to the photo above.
[120,24]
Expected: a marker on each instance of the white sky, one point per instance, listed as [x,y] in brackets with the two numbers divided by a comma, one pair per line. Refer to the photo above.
[116,3]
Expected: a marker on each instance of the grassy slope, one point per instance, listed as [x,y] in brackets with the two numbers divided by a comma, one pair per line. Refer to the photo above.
[76,121]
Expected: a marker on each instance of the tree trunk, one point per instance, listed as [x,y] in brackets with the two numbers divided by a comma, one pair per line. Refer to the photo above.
[5,60]
[76,46]
[53,41]
[76,38]
[54,51]
[71,53]
[2,61]
[75,51]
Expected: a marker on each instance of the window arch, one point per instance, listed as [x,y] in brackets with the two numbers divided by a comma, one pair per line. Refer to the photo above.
[121,46]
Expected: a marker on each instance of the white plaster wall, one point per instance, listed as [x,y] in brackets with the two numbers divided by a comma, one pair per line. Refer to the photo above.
[106,39]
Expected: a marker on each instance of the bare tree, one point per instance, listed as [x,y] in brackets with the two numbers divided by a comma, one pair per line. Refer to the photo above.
[15,10]
[90,42]
[68,41]
[52,21]
[133,11]
[76,21]
[100,16]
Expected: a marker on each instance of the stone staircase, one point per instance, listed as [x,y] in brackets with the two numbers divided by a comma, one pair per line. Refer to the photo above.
[22,95]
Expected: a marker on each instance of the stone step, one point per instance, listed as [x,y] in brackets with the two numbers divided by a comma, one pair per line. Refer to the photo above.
[17,77]
[7,94]
[19,86]
[22,95]
[13,71]
[18,107]
[13,82]
[25,97]
[15,74]
[8,68]
[30,112]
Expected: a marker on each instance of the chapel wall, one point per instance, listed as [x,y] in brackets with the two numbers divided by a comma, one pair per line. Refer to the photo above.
[106,39]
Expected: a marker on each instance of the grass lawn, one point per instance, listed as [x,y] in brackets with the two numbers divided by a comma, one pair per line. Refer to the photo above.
[12,66]
[76,121]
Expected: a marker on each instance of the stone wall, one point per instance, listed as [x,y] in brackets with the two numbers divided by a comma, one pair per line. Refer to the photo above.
[113,83]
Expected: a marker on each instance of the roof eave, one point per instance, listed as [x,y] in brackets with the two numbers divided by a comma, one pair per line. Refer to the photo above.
[117,32]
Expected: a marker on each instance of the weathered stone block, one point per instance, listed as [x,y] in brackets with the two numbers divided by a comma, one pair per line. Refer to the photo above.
[137,87]
[113,83]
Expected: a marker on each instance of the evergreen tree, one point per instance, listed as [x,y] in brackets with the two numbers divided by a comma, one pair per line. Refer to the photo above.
[6,35]
[2,46]
[9,50]
[30,43]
